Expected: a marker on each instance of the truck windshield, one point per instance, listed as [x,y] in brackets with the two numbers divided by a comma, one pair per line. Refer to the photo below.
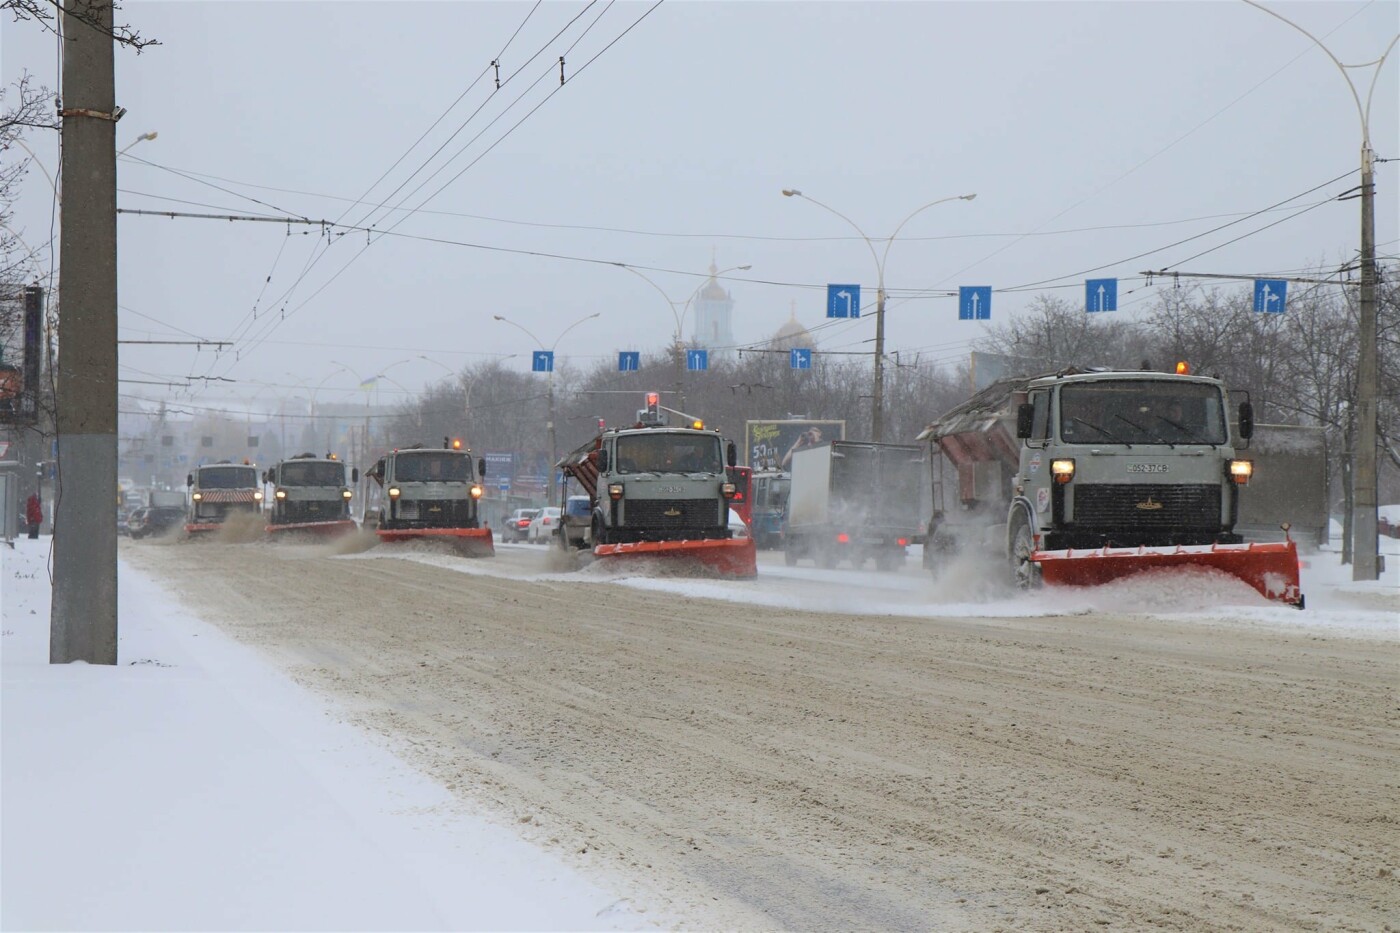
[227,477]
[664,452]
[312,473]
[432,467]
[1129,412]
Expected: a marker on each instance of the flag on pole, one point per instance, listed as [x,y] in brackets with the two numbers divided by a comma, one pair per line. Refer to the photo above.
[370,383]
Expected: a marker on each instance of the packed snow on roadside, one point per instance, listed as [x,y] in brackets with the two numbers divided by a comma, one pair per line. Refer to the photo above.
[192,786]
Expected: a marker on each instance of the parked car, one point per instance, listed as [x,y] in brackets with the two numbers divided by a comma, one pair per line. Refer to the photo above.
[518,524]
[575,522]
[153,519]
[543,525]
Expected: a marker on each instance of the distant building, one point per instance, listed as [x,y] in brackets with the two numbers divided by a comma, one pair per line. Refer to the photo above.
[792,335]
[714,318]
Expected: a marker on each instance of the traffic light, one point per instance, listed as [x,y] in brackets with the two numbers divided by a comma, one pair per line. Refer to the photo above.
[654,404]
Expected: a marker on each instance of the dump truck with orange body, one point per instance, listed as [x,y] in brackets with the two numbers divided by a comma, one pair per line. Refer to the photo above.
[1081,477]
[662,492]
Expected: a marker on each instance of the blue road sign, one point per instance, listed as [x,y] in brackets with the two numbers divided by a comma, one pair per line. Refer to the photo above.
[504,484]
[1270,295]
[629,361]
[975,303]
[697,359]
[543,361]
[1100,295]
[843,301]
[800,359]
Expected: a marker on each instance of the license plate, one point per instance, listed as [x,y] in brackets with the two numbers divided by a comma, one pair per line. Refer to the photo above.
[672,489]
[1147,468]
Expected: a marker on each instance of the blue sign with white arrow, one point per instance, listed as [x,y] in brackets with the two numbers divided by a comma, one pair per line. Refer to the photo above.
[1100,295]
[629,361]
[542,361]
[1270,295]
[974,303]
[697,360]
[843,301]
[800,359]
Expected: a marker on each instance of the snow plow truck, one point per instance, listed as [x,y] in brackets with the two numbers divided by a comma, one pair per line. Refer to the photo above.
[662,492]
[310,496]
[1082,477]
[431,494]
[219,491]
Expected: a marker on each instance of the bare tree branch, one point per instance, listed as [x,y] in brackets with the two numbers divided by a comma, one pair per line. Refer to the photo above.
[45,13]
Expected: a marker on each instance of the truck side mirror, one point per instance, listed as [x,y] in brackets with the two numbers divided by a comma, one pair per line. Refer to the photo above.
[189,479]
[603,460]
[1025,416]
[731,454]
[354,474]
[481,467]
[1246,420]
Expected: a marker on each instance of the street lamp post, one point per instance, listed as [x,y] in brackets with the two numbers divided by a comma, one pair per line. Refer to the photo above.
[1364,534]
[142,138]
[679,316]
[877,404]
[553,444]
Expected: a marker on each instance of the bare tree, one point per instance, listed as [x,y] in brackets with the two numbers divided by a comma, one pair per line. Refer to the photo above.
[45,13]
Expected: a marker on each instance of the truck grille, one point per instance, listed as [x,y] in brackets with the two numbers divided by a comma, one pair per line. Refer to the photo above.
[1147,506]
[672,513]
[435,513]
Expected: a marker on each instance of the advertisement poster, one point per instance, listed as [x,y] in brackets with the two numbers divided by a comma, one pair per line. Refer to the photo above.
[770,444]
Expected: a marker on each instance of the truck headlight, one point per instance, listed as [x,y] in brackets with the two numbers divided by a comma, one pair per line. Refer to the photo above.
[197,496]
[1241,471]
[476,492]
[727,490]
[1062,470]
[393,492]
[346,494]
[615,491]
[257,496]
[280,494]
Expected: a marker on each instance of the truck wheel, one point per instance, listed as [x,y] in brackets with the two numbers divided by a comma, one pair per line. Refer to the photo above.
[826,558]
[1024,574]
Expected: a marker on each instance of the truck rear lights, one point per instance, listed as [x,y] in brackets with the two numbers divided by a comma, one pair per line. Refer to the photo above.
[903,542]
[1062,470]
[1241,471]
[843,538]
[727,490]
[615,491]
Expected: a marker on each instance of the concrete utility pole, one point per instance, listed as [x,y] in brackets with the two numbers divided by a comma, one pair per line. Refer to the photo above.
[83,623]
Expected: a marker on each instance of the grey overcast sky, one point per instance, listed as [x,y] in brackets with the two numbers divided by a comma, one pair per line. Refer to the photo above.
[1101,140]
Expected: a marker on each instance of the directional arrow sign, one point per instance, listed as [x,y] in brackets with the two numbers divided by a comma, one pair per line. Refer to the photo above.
[697,359]
[1270,295]
[629,361]
[543,361]
[843,301]
[975,303]
[1100,295]
[800,359]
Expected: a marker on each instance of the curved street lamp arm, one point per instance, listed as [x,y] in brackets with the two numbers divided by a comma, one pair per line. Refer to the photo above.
[571,327]
[539,343]
[879,266]
[912,215]
[1363,113]
[669,303]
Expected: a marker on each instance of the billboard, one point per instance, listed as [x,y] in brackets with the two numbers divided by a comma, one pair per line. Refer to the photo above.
[769,444]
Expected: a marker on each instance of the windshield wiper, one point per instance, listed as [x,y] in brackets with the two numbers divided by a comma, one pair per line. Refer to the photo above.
[1191,436]
[1103,431]
[1137,427]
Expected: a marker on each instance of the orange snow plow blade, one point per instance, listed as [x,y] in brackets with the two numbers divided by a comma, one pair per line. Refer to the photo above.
[323,529]
[1270,568]
[731,557]
[469,542]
